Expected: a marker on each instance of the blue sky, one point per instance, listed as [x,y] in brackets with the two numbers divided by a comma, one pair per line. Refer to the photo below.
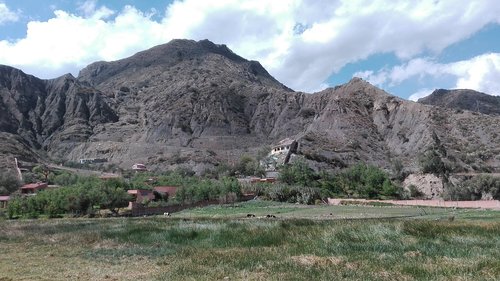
[408,48]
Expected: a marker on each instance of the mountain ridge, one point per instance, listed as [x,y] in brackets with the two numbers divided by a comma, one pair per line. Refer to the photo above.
[464,99]
[207,106]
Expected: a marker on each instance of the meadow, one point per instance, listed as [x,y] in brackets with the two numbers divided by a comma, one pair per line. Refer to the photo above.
[222,243]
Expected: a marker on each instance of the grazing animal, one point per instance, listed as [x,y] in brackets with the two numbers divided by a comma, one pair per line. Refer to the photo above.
[250,216]
[270,216]
[167,214]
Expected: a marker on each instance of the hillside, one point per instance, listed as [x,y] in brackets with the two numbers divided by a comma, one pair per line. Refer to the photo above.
[464,100]
[199,104]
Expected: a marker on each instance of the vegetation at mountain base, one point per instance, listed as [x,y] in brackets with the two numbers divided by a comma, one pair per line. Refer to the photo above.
[476,188]
[82,196]
[358,181]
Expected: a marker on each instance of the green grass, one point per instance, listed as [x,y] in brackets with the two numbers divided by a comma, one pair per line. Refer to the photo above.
[302,243]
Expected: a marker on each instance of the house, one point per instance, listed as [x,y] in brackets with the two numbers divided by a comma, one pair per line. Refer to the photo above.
[3,201]
[32,188]
[263,180]
[139,195]
[139,167]
[284,146]
[170,190]
[280,154]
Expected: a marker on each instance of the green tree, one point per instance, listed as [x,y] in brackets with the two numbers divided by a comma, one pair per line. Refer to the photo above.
[8,183]
[42,171]
[297,173]
[431,162]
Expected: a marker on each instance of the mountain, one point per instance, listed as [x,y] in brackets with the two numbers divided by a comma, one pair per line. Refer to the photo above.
[464,100]
[199,104]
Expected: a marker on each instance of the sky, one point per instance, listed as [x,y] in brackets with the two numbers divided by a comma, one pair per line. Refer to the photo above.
[408,48]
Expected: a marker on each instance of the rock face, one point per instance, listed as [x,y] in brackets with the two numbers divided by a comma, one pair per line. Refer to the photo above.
[429,185]
[47,114]
[464,100]
[199,104]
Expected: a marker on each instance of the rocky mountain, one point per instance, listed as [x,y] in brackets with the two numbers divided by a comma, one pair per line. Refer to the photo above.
[464,100]
[199,104]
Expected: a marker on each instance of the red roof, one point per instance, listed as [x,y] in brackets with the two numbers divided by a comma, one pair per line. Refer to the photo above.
[36,185]
[166,189]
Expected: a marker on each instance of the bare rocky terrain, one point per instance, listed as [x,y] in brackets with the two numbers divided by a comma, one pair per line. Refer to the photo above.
[463,99]
[198,104]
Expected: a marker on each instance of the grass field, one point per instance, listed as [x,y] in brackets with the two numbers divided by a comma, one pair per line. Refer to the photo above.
[220,243]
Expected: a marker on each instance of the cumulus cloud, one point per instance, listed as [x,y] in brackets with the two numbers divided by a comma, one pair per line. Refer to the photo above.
[479,73]
[301,43]
[6,15]
[420,94]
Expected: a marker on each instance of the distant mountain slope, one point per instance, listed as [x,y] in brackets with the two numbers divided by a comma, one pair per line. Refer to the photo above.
[465,100]
[199,104]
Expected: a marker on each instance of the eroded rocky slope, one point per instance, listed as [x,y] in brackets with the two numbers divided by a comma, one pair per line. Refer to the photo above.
[199,104]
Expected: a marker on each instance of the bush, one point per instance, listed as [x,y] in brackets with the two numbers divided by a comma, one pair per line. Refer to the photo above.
[293,194]
[365,181]
[8,183]
[79,199]
[480,187]
[430,162]
[297,173]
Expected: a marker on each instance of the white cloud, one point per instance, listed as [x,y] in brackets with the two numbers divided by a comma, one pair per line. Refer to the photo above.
[479,73]
[420,94]
[6,15]
[332,34]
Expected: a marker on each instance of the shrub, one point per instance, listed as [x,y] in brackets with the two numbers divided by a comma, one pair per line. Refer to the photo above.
[430,162]
[297,173]
[8,183]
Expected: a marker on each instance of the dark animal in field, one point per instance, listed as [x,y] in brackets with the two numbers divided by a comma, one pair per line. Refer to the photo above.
[270,216]
[250,216]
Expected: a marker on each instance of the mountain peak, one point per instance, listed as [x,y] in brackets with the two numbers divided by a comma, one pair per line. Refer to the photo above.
[464,99]
[179,55]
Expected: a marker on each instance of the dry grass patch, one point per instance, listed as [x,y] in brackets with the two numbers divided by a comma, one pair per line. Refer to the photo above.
[312,260]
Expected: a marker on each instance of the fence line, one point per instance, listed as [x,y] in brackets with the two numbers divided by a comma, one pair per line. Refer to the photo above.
[479,204]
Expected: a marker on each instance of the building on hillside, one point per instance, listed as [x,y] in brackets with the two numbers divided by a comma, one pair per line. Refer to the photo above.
[4,201]
[284,146]
[32,188]
[139,167]
[280,154]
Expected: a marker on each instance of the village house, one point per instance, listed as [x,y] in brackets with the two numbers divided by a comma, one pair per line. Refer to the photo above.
[163,190]
[32,188]
[284,146]
[139,196]
[279,155]
[4,201]
[139,167]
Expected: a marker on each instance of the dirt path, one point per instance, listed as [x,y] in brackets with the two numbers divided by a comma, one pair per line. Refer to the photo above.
[83,172]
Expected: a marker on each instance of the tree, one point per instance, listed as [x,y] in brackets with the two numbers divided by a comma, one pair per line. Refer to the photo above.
[43,171]
[8,183]
[113,198]
[297,173]
[430,162]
